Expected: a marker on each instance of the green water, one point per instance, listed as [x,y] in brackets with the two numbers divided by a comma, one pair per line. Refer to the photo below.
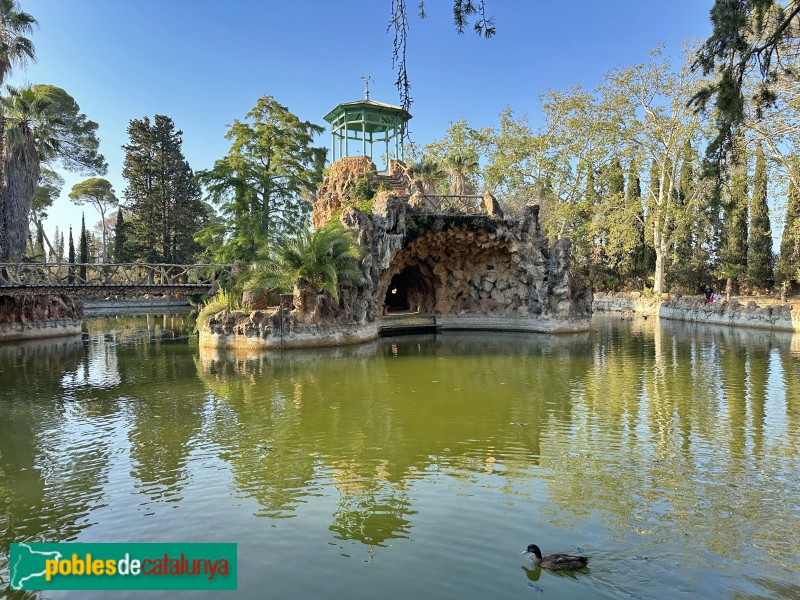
[421,466]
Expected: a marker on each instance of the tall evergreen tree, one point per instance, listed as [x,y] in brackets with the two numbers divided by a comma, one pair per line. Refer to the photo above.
[162,198]
[642,257]
[120,250]
[262,183]
[39,254]
[789,260]
[684,234]
[60,249]
[84,250]
[734,248]
[71,258]
[759,240]
[53,258]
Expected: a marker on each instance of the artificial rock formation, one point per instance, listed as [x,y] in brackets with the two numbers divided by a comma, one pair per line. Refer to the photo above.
[471,271]
[37,315]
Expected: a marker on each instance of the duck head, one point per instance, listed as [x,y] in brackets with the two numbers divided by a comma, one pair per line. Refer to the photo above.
[533,548]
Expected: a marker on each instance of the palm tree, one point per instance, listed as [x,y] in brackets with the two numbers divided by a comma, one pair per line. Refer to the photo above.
[318,260]
[28,128]
[15,49]
[459,163]
[428,172]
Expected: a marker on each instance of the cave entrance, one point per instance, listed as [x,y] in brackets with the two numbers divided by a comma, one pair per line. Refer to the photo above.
[410,291]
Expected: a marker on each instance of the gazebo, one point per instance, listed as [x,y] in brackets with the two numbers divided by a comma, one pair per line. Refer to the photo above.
[368,122]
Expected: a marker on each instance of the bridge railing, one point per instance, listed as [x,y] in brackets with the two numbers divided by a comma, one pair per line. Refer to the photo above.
[110,274]
[450,204]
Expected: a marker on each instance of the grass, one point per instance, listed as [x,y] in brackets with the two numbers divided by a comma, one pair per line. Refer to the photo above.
[223,300]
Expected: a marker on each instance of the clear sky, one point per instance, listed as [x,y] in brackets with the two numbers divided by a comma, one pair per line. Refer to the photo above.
[206,63]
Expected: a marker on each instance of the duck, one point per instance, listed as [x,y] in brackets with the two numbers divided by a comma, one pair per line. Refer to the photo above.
[557,562]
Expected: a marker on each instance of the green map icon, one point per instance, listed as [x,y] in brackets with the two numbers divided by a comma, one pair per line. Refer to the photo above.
[27,566]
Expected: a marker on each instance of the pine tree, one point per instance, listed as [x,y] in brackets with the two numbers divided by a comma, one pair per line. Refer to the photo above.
[71,258]
[789,261]
[759,241]
[161,196]
[84,250]
[60,249]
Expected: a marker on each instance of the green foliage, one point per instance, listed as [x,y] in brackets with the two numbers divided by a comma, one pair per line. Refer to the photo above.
[222,300]
[163,201]
[121,250]
[734,249]
[99,193]
[418,225]
[789,259]
[75,145]
[83,245]
[747,36]
[14,26]
[47,191]
[71,258]
[429,172]
[262,184]
[456,154]
[361,188]
[42,124]
[320,259]
[759,248]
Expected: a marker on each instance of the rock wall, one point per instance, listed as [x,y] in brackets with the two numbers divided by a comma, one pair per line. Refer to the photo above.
[333,194]
[471,271]
[778,317]
[37,316]
[625,302]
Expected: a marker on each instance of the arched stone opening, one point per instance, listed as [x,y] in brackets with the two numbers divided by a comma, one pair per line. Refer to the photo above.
[410,290]
[459,271]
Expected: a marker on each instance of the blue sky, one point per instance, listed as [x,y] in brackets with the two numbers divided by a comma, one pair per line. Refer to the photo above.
[206,63]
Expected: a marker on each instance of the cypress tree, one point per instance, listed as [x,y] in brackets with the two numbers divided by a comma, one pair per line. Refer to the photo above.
[759,241]
[119,247]
[789,261]
[734,247]
[38,250]
[84,250]
[633,199]
[71,258]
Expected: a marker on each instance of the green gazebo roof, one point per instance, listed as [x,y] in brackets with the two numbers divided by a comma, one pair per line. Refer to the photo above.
[380,110]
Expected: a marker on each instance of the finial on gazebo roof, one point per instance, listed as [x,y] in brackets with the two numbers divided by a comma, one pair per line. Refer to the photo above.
[366,79]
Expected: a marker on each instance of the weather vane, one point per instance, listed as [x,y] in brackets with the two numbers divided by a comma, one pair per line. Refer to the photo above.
[366,79]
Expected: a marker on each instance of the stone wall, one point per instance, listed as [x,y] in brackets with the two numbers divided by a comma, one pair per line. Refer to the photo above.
[625,302]
[38,316]
[778,317]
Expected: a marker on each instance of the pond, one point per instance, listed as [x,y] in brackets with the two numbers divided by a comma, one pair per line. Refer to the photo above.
[419,466]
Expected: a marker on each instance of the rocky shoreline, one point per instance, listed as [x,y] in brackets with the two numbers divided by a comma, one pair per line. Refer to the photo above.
[39,316]
[733,313]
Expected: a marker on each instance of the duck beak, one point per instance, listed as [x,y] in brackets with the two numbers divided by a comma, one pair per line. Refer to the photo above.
[524,552]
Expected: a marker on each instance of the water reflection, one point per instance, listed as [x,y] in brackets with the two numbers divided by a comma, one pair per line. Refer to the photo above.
[678,442]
